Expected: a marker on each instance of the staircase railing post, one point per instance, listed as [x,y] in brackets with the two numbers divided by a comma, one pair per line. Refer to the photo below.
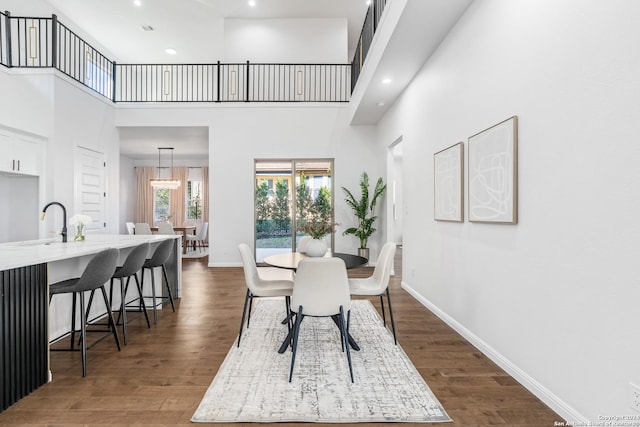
[246,89]
[7,28]
[54,41]
[113,81]
[218,83]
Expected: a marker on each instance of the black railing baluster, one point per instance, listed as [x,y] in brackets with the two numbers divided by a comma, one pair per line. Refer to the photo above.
[114,67]
[7,28]
[246,88]
[218,82]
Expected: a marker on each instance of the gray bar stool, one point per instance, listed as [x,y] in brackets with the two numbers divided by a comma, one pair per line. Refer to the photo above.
[132,264]
[98,271]
[159,257]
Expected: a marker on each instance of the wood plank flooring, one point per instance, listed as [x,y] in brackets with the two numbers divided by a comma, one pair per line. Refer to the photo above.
[163,372]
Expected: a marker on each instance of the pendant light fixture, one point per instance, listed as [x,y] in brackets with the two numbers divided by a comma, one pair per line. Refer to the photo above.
[170,183]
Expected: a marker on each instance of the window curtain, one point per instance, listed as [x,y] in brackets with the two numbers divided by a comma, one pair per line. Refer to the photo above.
[205,196]
[144,194]
[178,200]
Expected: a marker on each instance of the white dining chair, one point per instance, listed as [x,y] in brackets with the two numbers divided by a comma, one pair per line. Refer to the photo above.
[200,237]
[321,289]
[279,284]
[165,228]
[142,228]
[378,283]
[130,227]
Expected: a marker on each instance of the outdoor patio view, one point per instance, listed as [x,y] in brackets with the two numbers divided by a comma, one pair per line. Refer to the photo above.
[290,195]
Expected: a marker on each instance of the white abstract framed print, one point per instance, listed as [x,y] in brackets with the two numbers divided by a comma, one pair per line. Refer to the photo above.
[493,174]
[448,170]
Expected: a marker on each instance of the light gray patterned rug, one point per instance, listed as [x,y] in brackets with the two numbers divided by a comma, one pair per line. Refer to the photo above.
[252,382]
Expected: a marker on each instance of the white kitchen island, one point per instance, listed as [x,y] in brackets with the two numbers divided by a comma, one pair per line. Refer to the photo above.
[28,323]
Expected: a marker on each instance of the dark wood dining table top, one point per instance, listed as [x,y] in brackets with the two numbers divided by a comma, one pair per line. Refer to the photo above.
[290,260]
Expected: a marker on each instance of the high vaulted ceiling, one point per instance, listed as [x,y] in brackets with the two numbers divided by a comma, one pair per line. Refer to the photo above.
[413,31]
[192,27]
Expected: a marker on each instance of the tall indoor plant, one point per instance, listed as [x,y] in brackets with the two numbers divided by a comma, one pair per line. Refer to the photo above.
[364,210]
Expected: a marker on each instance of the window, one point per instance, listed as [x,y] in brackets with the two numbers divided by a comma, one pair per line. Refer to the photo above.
[194,199]
[161,198]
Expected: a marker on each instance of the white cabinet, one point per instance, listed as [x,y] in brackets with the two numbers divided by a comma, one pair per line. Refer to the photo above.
[19,154]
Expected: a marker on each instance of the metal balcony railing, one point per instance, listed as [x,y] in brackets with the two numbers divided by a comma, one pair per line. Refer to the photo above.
[242,82]
[366,37]
[46,43]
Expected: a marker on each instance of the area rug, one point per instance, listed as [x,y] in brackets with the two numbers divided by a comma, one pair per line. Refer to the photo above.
[252,382]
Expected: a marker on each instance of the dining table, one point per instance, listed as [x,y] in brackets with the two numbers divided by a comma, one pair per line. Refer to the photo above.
[185,229]
[290,261]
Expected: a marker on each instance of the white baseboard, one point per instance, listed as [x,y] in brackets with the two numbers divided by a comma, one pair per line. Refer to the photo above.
[541,392]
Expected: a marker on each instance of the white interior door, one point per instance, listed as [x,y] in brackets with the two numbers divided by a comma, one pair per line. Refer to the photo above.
[90,191]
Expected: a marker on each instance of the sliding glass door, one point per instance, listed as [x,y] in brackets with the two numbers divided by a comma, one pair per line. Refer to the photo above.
[289,192]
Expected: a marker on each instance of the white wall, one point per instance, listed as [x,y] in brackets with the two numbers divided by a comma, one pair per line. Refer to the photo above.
[555,297]
[27,101]
[240,134]
[64,115]
[127,193]
[85,120]
[321,41]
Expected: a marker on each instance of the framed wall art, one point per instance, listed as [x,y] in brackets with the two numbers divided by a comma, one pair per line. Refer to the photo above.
[448,182]
[493,174]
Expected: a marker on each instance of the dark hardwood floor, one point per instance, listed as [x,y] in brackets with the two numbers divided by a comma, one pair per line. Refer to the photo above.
[161,375]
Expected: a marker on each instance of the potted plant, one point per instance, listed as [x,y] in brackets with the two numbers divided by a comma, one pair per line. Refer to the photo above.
[364,210]
[317,225]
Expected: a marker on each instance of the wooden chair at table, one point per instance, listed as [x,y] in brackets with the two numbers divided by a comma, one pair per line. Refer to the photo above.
[278,284]
[378,283]
[321,289]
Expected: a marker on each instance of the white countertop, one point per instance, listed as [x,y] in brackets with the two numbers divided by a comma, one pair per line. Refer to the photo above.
[31,252]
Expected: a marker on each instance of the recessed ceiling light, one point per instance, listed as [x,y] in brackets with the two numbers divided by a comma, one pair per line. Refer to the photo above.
[380,104]
[137,3]
[368,2]
[386,81]
[252,3]
[171,51]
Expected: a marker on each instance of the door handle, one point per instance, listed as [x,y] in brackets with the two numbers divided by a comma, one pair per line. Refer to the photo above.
[18,164]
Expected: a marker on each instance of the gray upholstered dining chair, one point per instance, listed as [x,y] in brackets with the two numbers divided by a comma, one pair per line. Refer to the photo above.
[321,289]
[378,283]
[278,284]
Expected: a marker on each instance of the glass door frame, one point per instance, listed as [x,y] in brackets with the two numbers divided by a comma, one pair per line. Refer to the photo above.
[293,161]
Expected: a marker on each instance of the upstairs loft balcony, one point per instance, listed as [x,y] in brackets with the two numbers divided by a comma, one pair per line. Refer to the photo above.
[32,42]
